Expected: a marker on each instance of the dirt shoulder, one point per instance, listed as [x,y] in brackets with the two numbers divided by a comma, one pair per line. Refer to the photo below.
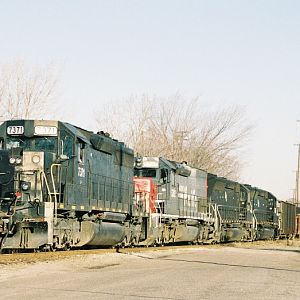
[31,258]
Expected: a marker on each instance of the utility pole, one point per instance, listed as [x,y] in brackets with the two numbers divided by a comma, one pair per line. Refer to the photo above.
[178,139]
[297,190]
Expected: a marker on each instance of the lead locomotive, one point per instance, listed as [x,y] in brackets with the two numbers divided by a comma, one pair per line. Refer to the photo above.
[63,187]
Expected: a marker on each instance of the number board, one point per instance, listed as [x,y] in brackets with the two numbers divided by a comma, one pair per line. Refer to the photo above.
[45,130]
[15,130]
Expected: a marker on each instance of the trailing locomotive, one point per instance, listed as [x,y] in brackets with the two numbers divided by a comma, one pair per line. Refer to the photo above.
[64,187]
[180,211]
[246,213]
[234,209]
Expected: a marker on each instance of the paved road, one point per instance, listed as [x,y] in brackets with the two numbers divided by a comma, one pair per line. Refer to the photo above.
[201,273]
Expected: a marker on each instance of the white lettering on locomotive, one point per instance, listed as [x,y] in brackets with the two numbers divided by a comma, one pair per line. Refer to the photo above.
[45,130]
[15,130]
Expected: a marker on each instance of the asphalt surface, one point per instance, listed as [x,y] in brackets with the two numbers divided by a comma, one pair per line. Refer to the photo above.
[198,273]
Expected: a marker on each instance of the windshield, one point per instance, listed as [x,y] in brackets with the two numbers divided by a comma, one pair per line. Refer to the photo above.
[146,173]
[33,144]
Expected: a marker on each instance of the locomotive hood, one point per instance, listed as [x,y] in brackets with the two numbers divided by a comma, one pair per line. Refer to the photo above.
[6,175]
[6,169]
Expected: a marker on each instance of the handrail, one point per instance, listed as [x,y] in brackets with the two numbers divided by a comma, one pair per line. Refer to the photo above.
[254,220]
[218,216]
[47,185]
[264,215]
[54,189]
[52,176]
[232,212]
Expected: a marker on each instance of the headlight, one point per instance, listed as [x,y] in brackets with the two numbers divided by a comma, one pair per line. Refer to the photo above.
[139,162]
[18,160]
[35,159]
[12,160]
[25,186]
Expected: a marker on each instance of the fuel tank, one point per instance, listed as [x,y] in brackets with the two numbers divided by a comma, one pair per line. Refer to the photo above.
[187,233]
[265,233]
[232,234]
[101,234]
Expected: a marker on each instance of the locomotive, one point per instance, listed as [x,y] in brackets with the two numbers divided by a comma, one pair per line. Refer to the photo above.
[64,187]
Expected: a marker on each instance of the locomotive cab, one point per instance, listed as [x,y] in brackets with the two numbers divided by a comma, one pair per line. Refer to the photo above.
[31,155]
[28,149]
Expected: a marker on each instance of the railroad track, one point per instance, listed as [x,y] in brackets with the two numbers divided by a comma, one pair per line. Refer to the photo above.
[33,257]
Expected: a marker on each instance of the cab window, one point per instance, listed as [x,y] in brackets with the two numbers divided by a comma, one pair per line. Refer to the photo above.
[80,147]
[68,146]
[33,144]
[147,173]
[44,144]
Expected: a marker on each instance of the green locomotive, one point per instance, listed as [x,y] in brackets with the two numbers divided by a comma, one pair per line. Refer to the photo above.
[62,186]
[244,213]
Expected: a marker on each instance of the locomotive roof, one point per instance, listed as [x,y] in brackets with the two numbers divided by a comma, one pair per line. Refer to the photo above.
[174,164]
[228,182]
[82,134]
[76,130]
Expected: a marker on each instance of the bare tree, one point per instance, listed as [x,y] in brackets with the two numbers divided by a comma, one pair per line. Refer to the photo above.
[27,92]
[128,120]
[179,129]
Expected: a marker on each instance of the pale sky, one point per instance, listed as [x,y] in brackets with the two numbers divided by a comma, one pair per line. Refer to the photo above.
[227,52]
